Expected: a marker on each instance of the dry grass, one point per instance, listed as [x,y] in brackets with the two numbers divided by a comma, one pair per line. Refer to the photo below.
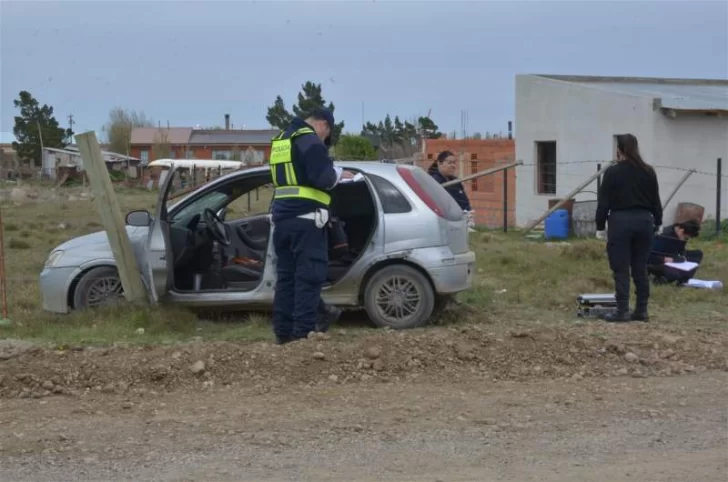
[517,282]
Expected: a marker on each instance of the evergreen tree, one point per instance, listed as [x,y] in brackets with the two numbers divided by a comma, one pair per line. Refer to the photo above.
[34,126]
[309,99]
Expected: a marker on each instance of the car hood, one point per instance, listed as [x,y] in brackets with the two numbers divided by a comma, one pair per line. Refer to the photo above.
[99,241]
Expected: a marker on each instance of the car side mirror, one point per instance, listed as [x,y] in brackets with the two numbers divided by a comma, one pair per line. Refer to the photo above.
[140,218]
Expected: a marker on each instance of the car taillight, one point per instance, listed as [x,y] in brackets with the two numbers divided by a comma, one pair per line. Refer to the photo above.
[409,178]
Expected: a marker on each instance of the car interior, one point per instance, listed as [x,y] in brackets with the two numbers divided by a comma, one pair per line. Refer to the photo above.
[212,253]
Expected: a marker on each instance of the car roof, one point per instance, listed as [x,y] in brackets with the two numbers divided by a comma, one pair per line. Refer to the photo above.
[371,167]
[382,169]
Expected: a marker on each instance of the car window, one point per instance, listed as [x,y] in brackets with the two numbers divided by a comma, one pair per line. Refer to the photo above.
[250,203]
[451,210]
[393,201]
[214,200]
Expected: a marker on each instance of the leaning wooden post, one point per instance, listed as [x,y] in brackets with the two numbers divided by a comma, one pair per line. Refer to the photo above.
[487,172]
[566,198]
[108,207]
[677,188]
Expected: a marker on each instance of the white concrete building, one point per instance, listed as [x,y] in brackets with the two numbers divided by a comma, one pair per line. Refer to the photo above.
[566,124]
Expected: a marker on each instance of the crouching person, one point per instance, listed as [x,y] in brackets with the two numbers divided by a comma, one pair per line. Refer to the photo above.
[660,255]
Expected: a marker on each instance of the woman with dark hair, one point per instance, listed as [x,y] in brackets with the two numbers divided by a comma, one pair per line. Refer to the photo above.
[629,197]
[443,170]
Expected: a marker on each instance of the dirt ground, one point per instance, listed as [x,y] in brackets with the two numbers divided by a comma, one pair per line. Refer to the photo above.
[578,403]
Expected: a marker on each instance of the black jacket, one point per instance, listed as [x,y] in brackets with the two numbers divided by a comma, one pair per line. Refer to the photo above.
[457,191]
[624,187]
[313,167]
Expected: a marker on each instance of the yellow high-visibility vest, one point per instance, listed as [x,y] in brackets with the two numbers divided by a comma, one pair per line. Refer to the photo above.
[281,153]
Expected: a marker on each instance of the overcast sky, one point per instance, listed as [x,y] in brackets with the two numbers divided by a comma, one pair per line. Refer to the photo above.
[191,62]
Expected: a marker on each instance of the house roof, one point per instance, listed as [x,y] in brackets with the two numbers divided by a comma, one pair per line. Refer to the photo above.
[669,94]
[150,135]
[108,155]
[232,137]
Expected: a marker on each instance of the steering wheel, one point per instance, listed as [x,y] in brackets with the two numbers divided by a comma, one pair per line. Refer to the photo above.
[216,227]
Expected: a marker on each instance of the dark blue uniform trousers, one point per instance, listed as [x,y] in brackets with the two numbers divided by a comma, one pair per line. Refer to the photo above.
[302,264]
[629,240]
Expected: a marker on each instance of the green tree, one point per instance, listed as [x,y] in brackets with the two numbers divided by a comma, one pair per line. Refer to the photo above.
[392,133]
[355,148]
[477,136]
[36,126]
[429,128]
[309,99]
[119,126]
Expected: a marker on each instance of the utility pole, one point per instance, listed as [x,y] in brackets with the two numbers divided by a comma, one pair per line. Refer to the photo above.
[42,147]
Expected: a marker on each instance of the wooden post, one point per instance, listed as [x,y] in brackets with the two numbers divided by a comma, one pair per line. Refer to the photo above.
[719,177]
[3,279]
[566,198]
[505,199]
[492,170]
[677,188]
[108,207]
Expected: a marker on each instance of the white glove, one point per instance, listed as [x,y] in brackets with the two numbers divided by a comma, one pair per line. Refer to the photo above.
[602,235]
[470,215]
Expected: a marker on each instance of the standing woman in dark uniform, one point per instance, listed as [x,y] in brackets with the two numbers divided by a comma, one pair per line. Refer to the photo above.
[443,170]
[630,197]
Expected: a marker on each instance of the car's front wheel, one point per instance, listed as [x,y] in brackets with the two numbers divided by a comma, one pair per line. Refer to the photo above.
[98,287]
[399,297]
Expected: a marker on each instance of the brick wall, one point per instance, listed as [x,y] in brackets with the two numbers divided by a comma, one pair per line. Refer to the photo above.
[485,193]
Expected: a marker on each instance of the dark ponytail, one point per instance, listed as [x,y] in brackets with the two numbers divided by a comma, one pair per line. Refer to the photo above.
[440,158]
[628,146]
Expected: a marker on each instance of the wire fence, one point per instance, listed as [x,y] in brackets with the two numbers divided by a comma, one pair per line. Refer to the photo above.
[538,186]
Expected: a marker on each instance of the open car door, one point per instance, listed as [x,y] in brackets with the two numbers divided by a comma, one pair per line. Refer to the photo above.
[159,272]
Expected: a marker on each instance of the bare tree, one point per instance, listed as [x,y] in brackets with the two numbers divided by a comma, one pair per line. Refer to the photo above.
[119,126]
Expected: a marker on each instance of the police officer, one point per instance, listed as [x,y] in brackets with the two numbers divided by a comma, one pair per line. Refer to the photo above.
[302,173]
[629,197]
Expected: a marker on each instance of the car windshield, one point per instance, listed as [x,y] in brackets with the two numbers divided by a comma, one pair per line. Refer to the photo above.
[214,200]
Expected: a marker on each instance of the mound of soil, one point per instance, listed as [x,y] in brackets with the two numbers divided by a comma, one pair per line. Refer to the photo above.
[436,354]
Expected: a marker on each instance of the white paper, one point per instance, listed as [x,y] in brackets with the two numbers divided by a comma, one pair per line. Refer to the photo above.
[684,266]
[356,178]
[698,283]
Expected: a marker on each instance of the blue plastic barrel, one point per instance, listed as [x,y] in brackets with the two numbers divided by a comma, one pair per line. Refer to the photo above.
[557,225]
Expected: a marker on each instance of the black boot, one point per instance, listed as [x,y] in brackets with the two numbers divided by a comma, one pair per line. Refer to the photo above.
[330,316]
[640,315]
[619,316]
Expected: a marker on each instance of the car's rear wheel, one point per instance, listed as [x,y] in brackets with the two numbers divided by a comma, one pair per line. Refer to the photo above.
[399,297]
[98,287]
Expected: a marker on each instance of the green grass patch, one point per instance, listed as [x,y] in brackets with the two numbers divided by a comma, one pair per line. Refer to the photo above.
[518,281]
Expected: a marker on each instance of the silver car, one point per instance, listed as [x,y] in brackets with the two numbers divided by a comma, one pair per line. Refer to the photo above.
[408,249]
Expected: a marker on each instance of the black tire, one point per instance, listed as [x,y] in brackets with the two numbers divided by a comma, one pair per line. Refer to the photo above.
[405,281]
[98,287]
[441,304]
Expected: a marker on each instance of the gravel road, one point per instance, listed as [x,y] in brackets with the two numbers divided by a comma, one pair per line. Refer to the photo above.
[617,429]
